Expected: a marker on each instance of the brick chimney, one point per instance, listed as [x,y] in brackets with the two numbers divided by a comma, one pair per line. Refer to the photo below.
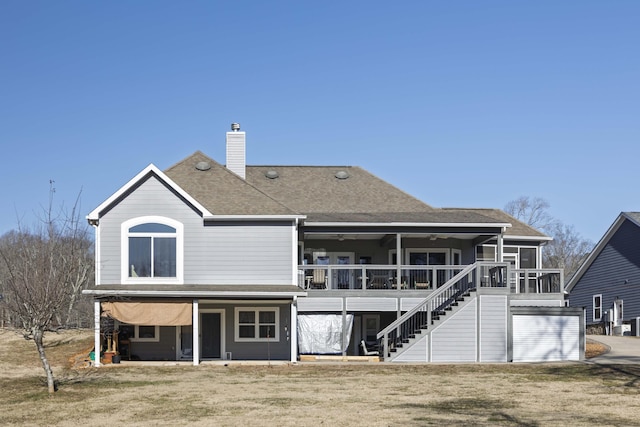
[236,153]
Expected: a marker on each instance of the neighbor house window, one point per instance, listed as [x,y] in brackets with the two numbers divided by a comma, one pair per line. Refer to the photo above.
[257,324]
[152,249]
[597,308]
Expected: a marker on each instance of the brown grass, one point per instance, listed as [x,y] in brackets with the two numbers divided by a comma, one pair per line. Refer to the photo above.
[594,349]
[345,394]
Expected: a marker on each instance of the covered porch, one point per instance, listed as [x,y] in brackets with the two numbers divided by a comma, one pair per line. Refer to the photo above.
[192,323]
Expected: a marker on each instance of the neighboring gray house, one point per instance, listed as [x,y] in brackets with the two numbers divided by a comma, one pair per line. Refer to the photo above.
[607,284]
[204,261]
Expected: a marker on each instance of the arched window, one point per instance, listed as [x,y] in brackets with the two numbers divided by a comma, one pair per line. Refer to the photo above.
[152,248]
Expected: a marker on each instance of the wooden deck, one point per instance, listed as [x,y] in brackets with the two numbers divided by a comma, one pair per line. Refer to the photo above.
[323,358]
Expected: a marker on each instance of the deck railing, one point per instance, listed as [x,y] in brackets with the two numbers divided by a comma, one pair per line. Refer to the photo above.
[420,277]
[537,281]
[375,277]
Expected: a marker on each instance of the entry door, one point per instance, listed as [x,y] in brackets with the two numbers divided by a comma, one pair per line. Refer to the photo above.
[341,279]
[186,342]
[370,328]
[428,257]
[617,312]
[211,339]
[517,280]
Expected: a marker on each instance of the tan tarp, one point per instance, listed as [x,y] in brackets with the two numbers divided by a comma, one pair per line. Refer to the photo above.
[149,313]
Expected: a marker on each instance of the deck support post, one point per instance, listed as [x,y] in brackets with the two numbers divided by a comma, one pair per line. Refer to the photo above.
[500,249]
[196,333]
[96,333]
[293,333]
[344,326]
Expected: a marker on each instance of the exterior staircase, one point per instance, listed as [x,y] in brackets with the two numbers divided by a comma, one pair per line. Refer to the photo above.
[415,324]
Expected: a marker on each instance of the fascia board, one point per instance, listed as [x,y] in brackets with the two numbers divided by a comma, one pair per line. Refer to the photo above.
[532,238]
[95,214]
[191,294]
[596,251]
[252,217]
[408,224]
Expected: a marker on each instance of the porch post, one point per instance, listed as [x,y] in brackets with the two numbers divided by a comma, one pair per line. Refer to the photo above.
[96,333]
[398,259]
[344,326]
[499,246]
[293,333]
[196,334]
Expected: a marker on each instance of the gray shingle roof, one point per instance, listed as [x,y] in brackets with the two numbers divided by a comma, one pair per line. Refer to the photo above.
[310,189]
[221,191]
[518,228]
[317,192]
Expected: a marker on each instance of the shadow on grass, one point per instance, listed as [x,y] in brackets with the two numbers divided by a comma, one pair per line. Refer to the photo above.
[492,410]
[627,375]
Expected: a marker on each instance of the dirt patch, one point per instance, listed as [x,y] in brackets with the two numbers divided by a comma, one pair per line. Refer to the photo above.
[345,394]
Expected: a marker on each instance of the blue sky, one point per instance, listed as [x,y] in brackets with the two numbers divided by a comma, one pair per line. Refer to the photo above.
[460,103]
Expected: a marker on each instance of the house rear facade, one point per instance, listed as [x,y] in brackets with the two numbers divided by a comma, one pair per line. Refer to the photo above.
[205,261]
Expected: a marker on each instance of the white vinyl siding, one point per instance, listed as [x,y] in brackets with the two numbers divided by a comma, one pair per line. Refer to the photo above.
[456,339]
[251,253]
[540,338]
[319,304]
[417,352]
[493,328]
[372,304]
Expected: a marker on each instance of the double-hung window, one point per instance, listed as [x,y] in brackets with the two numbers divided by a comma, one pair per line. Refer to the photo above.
[257,324]
[152,249]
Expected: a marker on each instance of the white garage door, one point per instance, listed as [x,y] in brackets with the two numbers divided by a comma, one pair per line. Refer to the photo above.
[545,338]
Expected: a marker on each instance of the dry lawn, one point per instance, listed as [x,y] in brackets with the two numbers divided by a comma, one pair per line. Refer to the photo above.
[340,394]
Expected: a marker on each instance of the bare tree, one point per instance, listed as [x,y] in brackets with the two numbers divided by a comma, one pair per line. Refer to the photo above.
[567,250]
[43,268]
[531,211]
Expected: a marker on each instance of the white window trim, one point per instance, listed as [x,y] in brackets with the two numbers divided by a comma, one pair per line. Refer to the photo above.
[136,333]
[596,319]
[495,247]
[136,337]
[275,338]
[455,252]
[124,250]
